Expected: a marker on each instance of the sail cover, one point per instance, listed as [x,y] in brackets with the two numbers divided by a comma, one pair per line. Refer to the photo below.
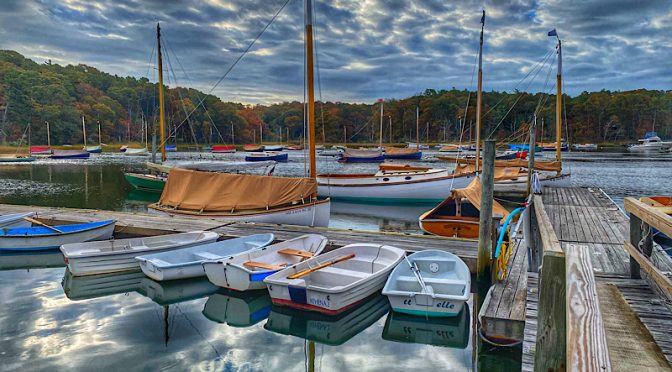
[541,165]
[473,193]
[362,153]
[196,191]
[400,151]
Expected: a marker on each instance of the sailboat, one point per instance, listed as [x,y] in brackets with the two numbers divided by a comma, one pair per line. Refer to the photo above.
[143,150]
[245,197]
[43,150]
[408,153]
[366,155]
[93,149]
[73,154]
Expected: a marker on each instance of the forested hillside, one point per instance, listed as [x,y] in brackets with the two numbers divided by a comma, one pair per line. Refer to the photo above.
[34,93]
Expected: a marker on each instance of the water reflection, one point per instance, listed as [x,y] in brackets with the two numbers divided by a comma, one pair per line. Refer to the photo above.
[325,329]
[175,291]
[449,332]
[92,286]
[30,260]
[238,309]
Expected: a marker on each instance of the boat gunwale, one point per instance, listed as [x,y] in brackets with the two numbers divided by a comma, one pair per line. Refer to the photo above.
[395,183]
[54,233]
[249,212]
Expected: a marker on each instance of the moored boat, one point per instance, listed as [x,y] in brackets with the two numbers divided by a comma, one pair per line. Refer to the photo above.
[361,156]
[405,153]
[171,148]
[651,143]
[274,147]
[119,255]
[429,283]
[253,148]
[223,149]
[16,158]
[187,262]
[585,147]
[8,221]
[94,149]
[40,150]
[146,182]
[247,271]
[70,154]
[133,151]
[335,281]
[52,237]
[267,155]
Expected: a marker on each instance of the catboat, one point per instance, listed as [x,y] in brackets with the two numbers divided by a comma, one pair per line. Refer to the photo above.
[243,197]
[8,221]
[267,155]
[42,238]
[335,281]
[70,154]
[238,309]
[361,156]
[187,262]
[119,255]
[402,153]
[458,215]
[393,184]
[429,283]
[247,271]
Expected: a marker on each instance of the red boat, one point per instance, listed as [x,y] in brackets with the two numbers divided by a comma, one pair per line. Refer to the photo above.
[223,149]
[40,150]
[295,148]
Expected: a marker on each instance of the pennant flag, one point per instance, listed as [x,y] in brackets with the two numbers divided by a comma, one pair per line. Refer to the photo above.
[552,33]
[483,18]
[380,100]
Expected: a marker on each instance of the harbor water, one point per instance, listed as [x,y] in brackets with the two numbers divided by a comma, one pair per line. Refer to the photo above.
[50,320]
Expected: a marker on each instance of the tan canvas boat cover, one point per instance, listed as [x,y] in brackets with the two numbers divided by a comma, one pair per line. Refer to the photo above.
[473,193]
[548,166]
[366,153]
[223,192]
[501,173]
[399,151]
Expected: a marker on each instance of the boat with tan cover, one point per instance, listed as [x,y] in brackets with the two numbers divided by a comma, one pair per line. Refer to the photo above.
[243,197]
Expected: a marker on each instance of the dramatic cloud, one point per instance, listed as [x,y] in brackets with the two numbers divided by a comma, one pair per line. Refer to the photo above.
[366,49]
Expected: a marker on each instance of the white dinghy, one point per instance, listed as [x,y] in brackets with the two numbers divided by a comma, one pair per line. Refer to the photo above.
[429,283]
[188,262]
[247,271]
[8,221]
[335,281]
[119,255]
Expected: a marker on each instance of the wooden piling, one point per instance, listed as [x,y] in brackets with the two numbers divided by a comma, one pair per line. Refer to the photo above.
[483,273]
[530,155]
[635,237]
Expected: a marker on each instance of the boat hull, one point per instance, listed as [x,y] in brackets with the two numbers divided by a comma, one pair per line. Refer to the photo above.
[54,241]
[145,183]
[17,159]
[94,149]
[70,155]
[412,156]
[313,214]
[223,149]
[277,157]
[427,190]
[354,159]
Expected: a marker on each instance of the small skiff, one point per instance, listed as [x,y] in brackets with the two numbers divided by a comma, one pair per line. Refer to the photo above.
[119,255]
[41,238]
[247,271]
[267,155]
[336,281]
[131,151]
[253,148]
[9,221]
[429,283]
[217,149]
[188,262]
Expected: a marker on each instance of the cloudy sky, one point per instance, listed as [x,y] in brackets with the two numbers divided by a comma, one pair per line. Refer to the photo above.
[366,49]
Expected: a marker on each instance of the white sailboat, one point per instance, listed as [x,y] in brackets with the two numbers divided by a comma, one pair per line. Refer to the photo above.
[245,197]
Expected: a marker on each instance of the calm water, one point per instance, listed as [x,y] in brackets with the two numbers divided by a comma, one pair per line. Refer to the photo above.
[50,320]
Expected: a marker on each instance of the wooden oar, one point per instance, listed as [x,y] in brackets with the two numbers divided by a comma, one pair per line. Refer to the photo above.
[308,271]
[32,220]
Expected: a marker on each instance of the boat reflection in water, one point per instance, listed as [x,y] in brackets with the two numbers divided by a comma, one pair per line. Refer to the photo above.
[31,260]
[379,217]
[238,309]
[93,286]
[325,329]
[449,332]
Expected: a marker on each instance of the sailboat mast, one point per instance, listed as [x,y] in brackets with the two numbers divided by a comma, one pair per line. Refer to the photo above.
[233,139]
[479,95]
[311,87]
[390,126]
[84,131]
[100,139]
[162,117]
[558,105]
[48,135]
[380,142]
[417,127]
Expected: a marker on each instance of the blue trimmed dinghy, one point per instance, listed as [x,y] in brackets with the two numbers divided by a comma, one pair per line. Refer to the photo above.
[41,238]
[9,221]
[247,271]
[188,262]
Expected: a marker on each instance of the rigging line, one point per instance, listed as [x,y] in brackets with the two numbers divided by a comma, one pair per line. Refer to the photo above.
[179,93]
[542,97]
[240,57]
[520,96]
[317,67]
[200,97]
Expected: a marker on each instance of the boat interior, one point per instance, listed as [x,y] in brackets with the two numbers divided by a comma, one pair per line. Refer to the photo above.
[441,276]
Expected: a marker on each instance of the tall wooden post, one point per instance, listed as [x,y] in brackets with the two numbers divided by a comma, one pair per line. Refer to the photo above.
[48,135]
[479,95]
[635,238]
[530,155]
[162,115]
[311,86]
[84,131]
[380,140]
[483,273]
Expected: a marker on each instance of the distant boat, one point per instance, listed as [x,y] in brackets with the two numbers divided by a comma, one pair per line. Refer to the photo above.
[40,150]
[585,147]
[94,149]
[253,148]
[247,272]
[429,283]
[187,262]
[70,154]
[335,281]
[553,146]
[171,148]
[399,153]
[132,151]
[16,158]
[361,156]
[119,255]
[123,148]
[274,147]
[295,148]
[9,221]
[42,238]
[522,147]
[267,155]
[415,145]
[219,149]
[453,148]
[329,152]
[651,143]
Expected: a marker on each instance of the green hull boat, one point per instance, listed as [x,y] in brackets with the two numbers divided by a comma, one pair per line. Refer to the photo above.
[146,182]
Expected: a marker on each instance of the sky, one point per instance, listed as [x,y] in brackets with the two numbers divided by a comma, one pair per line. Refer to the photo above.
[366,49]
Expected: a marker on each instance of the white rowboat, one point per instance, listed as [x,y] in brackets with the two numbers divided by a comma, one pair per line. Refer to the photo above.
[429,283]
[187,262]
[119,255]
[8,221]
[346,276]
[43,238]
[247,271]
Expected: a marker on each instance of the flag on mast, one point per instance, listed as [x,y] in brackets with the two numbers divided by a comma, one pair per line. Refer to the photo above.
[552,33]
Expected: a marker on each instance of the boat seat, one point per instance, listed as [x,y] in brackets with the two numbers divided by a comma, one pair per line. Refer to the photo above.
[266,266]
[296,252]
[344,272]
[439,285]
[207,256]
[158,262]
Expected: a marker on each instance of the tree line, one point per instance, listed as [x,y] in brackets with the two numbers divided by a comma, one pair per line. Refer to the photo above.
[32,94]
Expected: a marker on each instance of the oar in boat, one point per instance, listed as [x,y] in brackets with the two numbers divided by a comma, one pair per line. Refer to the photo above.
[32,220]
[308,271]
[416,271]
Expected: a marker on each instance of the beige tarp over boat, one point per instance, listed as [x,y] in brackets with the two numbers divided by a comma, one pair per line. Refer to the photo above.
[501,173]
[207,192]
[549,166]
[366,153]
[473,193]
[399,151]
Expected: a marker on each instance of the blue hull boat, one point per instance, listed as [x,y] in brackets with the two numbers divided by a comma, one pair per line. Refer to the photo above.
[70,154]
[42,238]
[354,159]
[264,156]
[171,148]
[413,156]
